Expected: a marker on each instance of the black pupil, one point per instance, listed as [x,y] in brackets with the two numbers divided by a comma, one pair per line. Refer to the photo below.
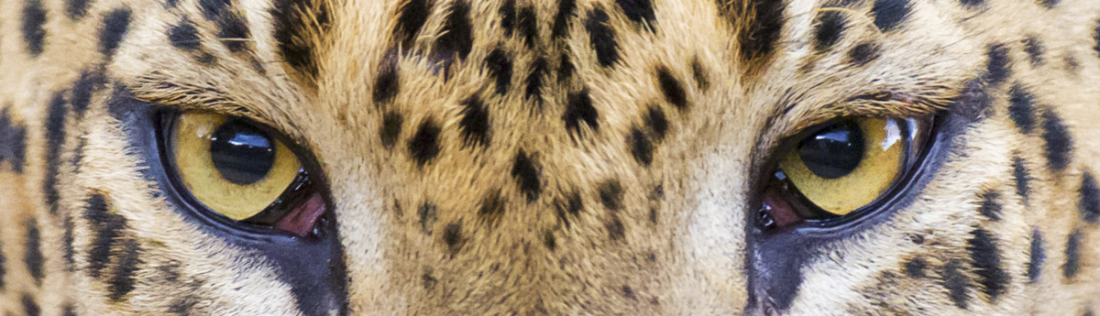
[833,152]
[241,153]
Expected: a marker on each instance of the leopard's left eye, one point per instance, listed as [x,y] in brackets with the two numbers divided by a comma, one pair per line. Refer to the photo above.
[237,171]
[838,169]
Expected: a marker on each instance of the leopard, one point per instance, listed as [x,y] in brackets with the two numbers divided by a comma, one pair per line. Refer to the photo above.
[549,157]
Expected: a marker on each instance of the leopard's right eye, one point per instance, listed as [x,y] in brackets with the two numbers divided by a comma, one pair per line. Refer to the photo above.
[238,171]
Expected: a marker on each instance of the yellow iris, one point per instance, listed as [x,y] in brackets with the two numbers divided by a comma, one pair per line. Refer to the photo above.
[884,150]
[206,167]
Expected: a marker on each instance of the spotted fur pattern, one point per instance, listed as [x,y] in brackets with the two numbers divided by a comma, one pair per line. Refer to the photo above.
[528,157]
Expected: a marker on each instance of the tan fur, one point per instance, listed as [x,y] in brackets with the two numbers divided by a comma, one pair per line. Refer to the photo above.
[690,261]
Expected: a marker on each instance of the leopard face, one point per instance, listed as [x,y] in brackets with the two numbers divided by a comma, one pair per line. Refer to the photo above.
[456,157]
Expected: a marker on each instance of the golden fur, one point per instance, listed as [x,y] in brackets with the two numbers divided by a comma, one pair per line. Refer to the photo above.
[676,246]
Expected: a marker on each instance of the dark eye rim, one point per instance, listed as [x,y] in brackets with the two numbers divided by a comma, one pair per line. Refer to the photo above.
[308,182]
[917,167]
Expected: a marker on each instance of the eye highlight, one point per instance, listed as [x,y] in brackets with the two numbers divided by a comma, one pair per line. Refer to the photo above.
[238,171]
[839,169]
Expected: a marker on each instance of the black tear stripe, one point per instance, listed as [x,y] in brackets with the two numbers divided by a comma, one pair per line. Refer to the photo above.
[121,282]
[293,33]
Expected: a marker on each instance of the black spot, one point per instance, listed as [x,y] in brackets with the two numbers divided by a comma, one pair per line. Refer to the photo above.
[1019,171]
[427,280]
[640,146]
[183,306]
[566,10]
[1090,199]
[526,173]
[67,240]
[3,268]
[89,82]
[32,255]
[1096,36]
[615,228]
[830,25]
[474,124]
[1038,255]
[76,9]
[452,235]
[638,11]
[863,53]
[500,68]
[973,101]
[424,145]
[387,82]
[629,293]
[1073,255]
[171,3]
[890,13]
[1020,108]
[602,37]
[457,38]
[508,17]
[579,108]
[1059,145]
[1034,49]
[534,82]
[570,206]
[971,3]
[115,25]
[1050,3]
[391,128]
[956,282]
[427,214]
[762,35]
[55,136]
[529,26]
[211,9]
[915,268]
[107,228]
[492,206]
[122,281]
[611,195]
[13,144]
[549,241]
[990,207]
[997,69]
[672,88]
[987,263]
[657,123]
[700,74]
[233,32]
[566,68]
[67,310]
[34,17]
[30,306]
[411,18]
[294,34]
